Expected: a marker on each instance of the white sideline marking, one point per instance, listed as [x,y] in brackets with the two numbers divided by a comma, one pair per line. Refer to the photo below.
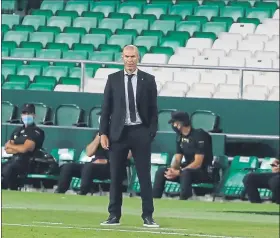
[46,222]
[119,230]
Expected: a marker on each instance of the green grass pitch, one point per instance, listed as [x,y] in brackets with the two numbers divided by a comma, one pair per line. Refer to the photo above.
[41,215]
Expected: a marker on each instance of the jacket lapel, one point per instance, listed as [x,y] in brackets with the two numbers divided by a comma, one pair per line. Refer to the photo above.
[140,81]
[121,85]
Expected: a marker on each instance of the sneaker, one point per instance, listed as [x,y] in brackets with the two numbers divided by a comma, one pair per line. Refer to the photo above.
[149,222]
[111,221]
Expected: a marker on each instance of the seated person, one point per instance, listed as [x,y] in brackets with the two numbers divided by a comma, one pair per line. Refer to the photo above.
[196,146]
[24,142]
[253,181]
[98,168]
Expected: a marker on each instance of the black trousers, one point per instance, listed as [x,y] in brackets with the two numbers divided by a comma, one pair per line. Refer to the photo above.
[253,181]
[87,172]
[137,139]
[10,172]
[186,179]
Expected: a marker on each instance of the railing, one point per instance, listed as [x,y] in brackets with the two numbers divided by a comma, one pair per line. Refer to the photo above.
[84,62]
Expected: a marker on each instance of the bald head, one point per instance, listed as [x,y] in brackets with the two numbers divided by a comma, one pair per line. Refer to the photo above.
[130,57]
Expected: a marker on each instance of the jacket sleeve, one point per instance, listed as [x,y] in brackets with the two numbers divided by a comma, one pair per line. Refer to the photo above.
[106,109]
[153,109]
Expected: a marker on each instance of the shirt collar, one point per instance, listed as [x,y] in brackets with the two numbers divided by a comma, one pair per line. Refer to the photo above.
[134,73]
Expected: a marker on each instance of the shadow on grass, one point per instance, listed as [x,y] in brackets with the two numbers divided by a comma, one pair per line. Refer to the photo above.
[254,212]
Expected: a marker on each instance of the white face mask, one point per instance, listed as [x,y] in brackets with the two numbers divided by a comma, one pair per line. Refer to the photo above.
[99,119]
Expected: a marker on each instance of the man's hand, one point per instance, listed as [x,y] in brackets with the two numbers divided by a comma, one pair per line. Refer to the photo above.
[8,144]
[105,142]
[172,173]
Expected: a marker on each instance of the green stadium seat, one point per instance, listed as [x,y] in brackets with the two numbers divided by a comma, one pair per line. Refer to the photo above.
[209,35]
[137,24]
[178,35]
[9,111]
[232,11]
[150,17]
[231,184]
[43,114]
[55,71]
[83,47]
[52,5]
[85,22]
[40,87]
[270,5]
[215,27]
[94,39]
[10,20]
[155,9]
[71,14]
[172,42]
[147,41]
[243,4]
[41,37]
[76,30]
[106,32]
[110,48]
[207,11]
[218,3]
[45,80]
[112,24]
[118,58]
[68,115]
[255,21]
[40,12]
[72,55]
[162,50]
[228,20]
[67,38]
[29,70]
[8,6]
[70,81]
[53,29]
[259,13]
[63,155]
[163,26]
[23,28]
[5,52]
[98,15]
[49,54]
[121,40]
[131,32]
[181,10]
[7,69]
[35,21]
[201,19]
[168,17]
[18,79]
[105,7]
[16,36]
[14,85]
[163,118]
[94,117]
[156,33]
[59,21]
[78,6]
[57,46]
[2,79]
[75,72]
[22,53]
[205,120]
[123,16]
[189,27]
[130,8]
[4,28]
[101,56]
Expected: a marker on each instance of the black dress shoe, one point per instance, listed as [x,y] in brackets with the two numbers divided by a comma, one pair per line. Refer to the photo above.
[149,222]
[111,221]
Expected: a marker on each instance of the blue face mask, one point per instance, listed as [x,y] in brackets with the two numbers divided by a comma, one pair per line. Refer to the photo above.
[27,119]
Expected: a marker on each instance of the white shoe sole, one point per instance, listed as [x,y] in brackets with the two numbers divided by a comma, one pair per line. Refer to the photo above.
[151,226]
[114,224]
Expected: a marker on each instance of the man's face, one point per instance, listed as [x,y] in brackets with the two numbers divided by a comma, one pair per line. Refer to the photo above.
[130,58]
[27,118]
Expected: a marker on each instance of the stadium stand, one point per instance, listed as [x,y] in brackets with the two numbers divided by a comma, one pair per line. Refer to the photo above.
[204,33]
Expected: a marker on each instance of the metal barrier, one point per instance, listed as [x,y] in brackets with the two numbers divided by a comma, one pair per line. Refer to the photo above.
[84,62]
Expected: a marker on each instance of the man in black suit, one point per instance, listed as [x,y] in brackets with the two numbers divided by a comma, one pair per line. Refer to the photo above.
[129,121]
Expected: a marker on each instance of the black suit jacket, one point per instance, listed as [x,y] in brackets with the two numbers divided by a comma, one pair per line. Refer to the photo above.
[113,112]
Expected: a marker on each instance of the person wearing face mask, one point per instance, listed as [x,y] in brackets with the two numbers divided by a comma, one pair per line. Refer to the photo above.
[195,145]
[24,141]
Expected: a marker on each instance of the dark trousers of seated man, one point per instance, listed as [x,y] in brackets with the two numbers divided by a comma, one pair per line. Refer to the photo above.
[186,179]
[253,181]
[11,170]
[87,172]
